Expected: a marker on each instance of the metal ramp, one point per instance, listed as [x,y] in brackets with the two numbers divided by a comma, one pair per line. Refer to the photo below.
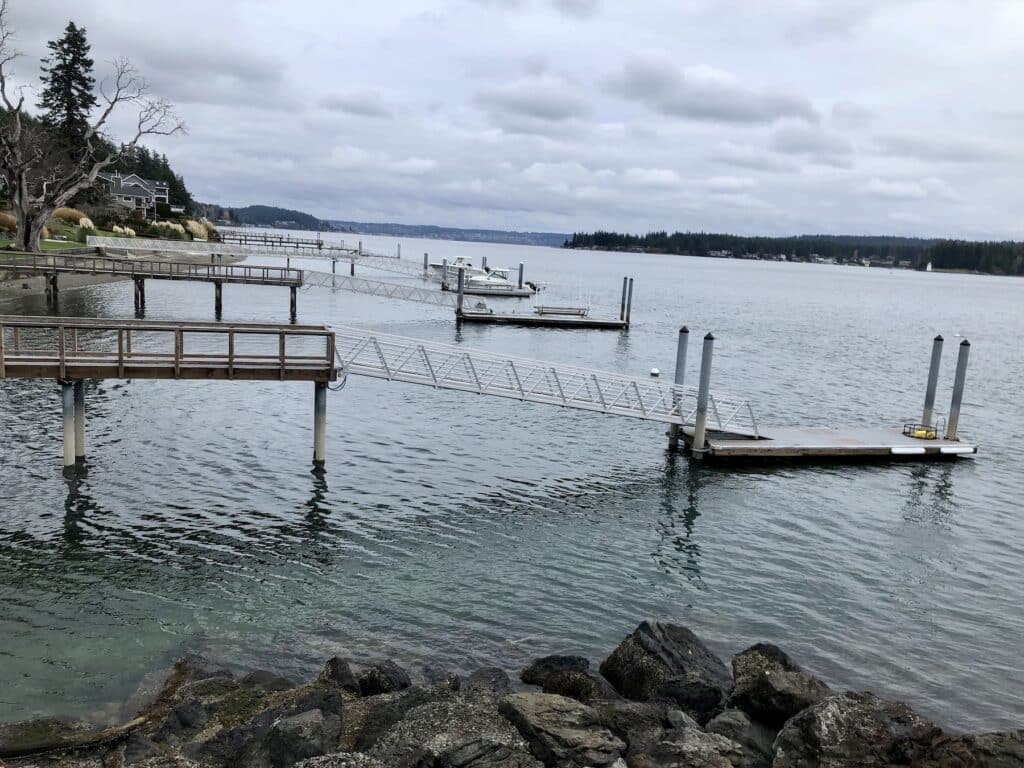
[380,288]
[396,358]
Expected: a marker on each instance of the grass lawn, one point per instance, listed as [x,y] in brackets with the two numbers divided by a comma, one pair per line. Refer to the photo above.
[48,245]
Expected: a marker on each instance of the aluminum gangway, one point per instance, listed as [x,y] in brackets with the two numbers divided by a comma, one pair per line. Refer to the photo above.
[151,245]
[380,288]
[396,358]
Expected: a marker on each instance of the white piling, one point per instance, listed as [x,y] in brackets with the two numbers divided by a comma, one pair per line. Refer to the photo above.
[933,382]
[622,305]
[67,399]
[320,424]
[79,389]
[680,378]
[703,392]
[958,390]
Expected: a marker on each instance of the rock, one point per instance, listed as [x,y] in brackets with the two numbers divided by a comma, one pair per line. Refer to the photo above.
[998,750]
[338,672]
[667,661]
[854,729]
[567,676]
[685,748]
[755,739]
[429,730]
[188,716]
[630,719]
[490,679]
[138,749]
[265,681]
[32,735]
[386,677]
[437,675]
[679,719]
[295,738]
[770,687]
[366,721]
[562,731]
[482,753]
[342,760]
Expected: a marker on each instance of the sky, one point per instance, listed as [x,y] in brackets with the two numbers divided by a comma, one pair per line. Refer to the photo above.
[777,117]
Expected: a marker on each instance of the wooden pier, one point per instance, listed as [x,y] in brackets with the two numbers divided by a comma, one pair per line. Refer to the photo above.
[71,350]
[53,265]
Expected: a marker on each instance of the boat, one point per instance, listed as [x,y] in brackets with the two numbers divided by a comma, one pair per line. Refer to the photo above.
[460,262]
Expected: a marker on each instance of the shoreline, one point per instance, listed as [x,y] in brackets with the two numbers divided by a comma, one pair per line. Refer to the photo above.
[660,698]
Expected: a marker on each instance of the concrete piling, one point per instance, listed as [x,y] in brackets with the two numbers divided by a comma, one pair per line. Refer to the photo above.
[462,291]
[933,382]
[520,274]
[703,392]
[958,390]
[622,305]
[320,424]
[629,302]
[68,408]
[680,378]
[79,395]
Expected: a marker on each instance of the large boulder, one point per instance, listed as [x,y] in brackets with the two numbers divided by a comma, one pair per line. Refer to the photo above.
[367,720]
[386,677]
[755,738]
[298,737]
[668,661]
[998,750]
[482,753]
[684,748]
[854,729]
[771,687]
[561,731]
[493,679]
[338,672]
[567,676]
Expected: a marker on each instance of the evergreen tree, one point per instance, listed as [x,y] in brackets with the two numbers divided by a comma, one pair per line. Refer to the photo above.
[67,98]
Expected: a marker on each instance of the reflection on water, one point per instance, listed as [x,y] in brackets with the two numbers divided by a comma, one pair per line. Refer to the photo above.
[475,531]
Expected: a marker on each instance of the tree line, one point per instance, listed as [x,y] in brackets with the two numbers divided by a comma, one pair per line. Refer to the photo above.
[992,257]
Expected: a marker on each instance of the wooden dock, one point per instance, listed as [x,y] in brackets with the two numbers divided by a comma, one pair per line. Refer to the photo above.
[826,444]
[53,265]
[543,321]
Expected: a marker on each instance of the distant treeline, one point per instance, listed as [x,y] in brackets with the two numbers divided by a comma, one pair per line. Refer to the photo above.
[993,257]
[262,216]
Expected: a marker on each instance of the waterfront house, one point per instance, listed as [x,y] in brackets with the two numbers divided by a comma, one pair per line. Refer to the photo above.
[135,192]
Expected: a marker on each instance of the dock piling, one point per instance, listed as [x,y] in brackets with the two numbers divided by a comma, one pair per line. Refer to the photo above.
[218,299]
[320,424]
[444,274]
[294,303]
[483,264]
[462,291]
[426,265]
[520,274]
[352,267]
[700,426]
[334,266]
[933,382]
[958,390]
[140,294]
[622,305]
[68,407]
[680,379]
[629,302]
[79,394]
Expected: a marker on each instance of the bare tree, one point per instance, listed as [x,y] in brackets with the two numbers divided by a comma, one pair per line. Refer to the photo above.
[40,174]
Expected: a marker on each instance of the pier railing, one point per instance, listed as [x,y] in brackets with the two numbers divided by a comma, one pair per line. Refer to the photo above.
[150,270]
[395,358]
[73,348]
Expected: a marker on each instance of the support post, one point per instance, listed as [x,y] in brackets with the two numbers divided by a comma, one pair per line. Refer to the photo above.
[79,389]
[320,424]
[218,298]
[67,398]
[462,290]
[426,265]
[933,382]
[334,266]
[399,250]
[360,247]
[680,378]
[703,392]
[958,390]
[483,263]
[444,274]
[520,274]
[352,268]
[622,305]
[629,302]
[294,302]
[54,288]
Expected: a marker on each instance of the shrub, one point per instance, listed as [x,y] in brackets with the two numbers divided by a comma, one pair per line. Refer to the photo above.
[82,234]
[69,215]
[197,230]
[211,231]
[117,229]
[8,223]
[86,223]
[138,215]
[129,231]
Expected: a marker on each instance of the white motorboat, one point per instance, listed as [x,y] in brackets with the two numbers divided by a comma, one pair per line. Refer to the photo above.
[460,262]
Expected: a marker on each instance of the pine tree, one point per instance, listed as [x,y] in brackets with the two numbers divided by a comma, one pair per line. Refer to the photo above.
[67,98]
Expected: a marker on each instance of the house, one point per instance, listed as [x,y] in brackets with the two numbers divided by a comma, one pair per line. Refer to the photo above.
[135,192]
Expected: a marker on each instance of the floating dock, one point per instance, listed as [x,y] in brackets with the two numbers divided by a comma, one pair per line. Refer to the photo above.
[543,321]
[826,444]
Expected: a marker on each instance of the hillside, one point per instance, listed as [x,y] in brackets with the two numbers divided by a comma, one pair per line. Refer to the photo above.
[263,216]
[430,232]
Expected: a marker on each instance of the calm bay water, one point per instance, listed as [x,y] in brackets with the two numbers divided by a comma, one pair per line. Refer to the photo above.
[473,531]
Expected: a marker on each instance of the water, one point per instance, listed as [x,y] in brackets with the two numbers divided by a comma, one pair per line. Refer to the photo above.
[474,531]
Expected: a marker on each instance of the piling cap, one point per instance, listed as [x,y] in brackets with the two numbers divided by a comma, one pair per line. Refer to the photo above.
[684,329]
[709,337]
[939,338]
[965,343]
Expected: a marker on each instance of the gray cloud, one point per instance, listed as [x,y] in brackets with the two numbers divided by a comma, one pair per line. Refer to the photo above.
[930,148]
[359,104]
[702,93]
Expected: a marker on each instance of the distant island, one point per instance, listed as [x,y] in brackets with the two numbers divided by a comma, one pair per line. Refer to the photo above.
[262,216]
[1000,258]
[430,232]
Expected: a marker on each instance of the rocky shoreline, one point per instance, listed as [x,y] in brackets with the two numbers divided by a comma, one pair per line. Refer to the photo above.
[660,699]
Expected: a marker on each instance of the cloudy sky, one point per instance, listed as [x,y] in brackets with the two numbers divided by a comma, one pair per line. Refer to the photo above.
[748,116]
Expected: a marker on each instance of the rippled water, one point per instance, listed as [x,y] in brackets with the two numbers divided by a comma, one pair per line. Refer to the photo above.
[477,531]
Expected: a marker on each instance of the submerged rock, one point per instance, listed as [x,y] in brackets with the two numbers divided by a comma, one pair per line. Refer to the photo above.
[562,731]
[668,661]
[854,729]
[683,748]
[770,687]
[386,677]
[491,679]
[755,738]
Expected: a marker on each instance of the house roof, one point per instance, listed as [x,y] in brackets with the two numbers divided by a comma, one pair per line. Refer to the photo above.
[133,179]
[132,190]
